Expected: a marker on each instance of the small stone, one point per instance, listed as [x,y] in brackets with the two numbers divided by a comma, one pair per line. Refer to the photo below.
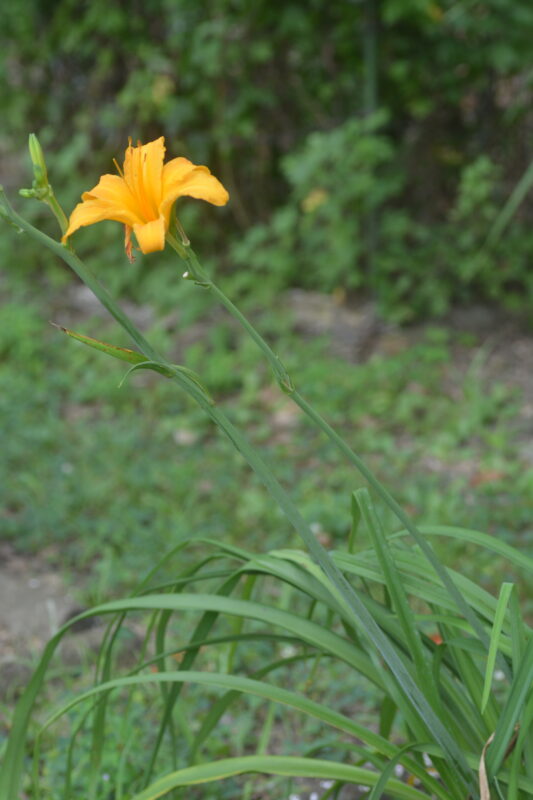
[184,437]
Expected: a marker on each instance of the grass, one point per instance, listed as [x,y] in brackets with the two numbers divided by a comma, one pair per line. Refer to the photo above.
[103,477]
[135,718]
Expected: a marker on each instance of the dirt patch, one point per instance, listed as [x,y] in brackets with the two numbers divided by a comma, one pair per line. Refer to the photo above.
[33,602]
[33,599]
[501,348]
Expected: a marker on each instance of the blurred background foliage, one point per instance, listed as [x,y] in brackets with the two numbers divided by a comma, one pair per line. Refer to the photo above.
[370,149]
[367,145]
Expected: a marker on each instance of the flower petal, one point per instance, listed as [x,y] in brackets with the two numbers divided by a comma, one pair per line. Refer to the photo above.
[143,169]
[182,177]
[204,186]
[113,190]
[89,212]
[110,199]
[175,171]
[153,155]
[151,235]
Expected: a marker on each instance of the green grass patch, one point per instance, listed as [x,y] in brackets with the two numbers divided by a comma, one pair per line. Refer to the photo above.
[105,478]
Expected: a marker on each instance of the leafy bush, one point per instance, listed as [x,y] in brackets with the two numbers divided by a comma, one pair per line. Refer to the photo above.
[317,239]
[343,186]
[272,93]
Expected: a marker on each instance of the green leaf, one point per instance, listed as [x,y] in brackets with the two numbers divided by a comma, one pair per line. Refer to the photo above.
[122,353]
[490,543]
[522,683]
[499,616]
[356,520]
[418,580]
[171,371]
[518,631]
[388,772]
[304,629]
[524,737]
[387,713]
[287,766]
[397,592]
[270,692]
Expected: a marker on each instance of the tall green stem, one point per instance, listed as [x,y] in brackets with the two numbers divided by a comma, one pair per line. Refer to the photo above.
[197,273]
[58,212]
[343,589]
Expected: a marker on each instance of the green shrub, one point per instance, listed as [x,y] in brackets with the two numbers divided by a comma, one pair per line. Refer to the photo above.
[342,184]
[271,95]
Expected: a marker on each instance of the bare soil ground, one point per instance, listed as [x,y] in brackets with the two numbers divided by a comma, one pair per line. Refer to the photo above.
[34,600]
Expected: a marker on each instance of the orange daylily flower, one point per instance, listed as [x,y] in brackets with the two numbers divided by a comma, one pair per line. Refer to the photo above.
[142,195]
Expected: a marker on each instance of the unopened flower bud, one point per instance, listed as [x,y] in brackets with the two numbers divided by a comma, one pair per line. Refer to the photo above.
[39,192]
[40,188]
[39,165]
